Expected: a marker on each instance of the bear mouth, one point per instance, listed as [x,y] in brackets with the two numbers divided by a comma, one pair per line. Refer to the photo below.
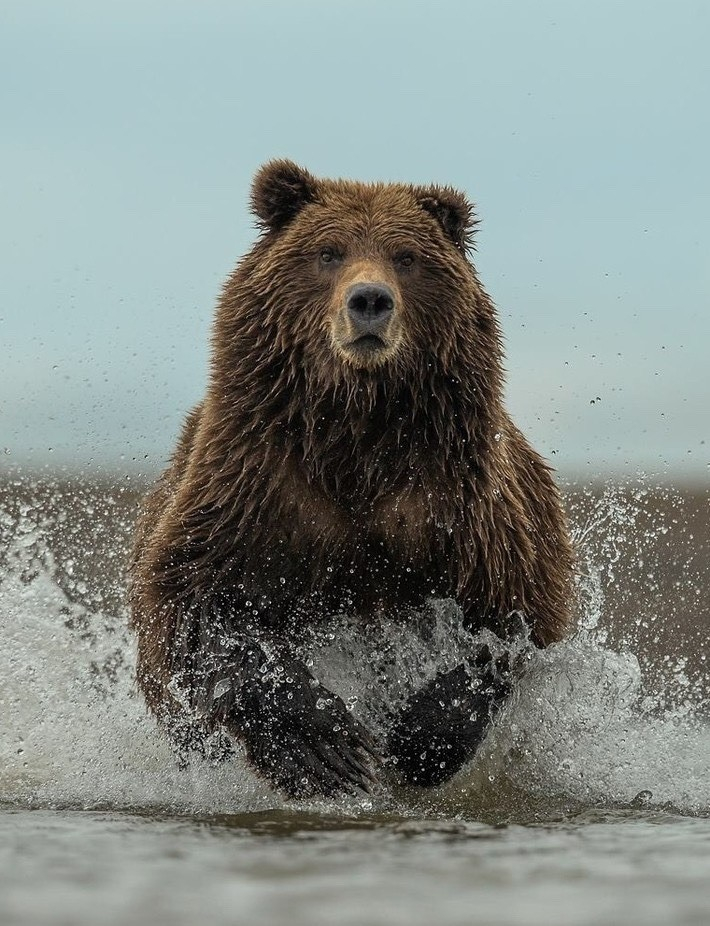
[368,343]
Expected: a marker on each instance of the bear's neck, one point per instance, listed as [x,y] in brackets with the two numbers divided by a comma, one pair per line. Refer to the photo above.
[388,434]
[376,430]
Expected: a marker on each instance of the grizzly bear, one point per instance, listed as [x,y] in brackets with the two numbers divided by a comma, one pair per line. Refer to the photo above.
[352,455]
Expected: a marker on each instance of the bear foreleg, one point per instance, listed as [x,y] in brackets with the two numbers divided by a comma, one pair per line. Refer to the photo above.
[297,734]
[443,724]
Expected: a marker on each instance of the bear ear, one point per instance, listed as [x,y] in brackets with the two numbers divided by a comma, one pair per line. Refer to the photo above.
[279,191]
[453,212]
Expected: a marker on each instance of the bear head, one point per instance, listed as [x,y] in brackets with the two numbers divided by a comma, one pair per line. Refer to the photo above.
[358,279]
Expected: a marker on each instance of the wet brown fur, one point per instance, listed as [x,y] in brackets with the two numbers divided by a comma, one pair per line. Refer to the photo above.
[308,482]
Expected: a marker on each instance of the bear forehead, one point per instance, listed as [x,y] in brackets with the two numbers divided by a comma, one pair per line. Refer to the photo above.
[360,209]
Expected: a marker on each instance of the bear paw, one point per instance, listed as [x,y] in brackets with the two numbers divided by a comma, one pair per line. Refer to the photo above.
[443,724]
[301,737]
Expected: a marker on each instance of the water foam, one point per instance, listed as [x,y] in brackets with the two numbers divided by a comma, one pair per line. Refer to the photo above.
[584,724]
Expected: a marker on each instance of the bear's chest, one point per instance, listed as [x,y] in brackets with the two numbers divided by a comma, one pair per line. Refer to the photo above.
[392,554]
[405,523]
[368,553]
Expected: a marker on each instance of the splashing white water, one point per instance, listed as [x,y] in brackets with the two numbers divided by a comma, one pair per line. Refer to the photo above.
[73,729]
[582,725]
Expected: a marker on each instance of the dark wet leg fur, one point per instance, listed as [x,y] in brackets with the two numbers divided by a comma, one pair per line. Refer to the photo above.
[443,724]
[297,734]
[188,738]
[301,736]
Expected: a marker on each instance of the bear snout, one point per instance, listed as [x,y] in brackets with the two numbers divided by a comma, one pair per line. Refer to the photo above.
[366,315]
[369,307]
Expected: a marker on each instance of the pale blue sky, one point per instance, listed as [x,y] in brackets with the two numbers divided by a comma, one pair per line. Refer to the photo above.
[130,132]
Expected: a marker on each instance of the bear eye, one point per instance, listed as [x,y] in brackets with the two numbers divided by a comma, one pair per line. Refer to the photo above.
[404,260]
[328,255]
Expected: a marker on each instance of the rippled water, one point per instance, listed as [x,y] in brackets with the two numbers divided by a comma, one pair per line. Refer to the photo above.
[589,801]
[281,869]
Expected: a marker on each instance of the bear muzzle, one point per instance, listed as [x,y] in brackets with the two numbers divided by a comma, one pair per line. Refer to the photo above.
[369,308]
[366,319]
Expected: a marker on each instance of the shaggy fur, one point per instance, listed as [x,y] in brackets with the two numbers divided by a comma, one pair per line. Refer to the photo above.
[323,474]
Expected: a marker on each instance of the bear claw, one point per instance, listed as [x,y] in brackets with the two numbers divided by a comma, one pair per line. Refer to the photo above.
[302,738]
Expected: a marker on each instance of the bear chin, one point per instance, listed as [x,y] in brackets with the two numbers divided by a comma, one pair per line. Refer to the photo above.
[367,352]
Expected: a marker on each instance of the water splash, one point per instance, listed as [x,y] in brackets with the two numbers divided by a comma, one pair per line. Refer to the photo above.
[609,716]
[73,729]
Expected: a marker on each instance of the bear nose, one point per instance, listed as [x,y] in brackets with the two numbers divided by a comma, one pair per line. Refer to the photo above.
[369,306]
